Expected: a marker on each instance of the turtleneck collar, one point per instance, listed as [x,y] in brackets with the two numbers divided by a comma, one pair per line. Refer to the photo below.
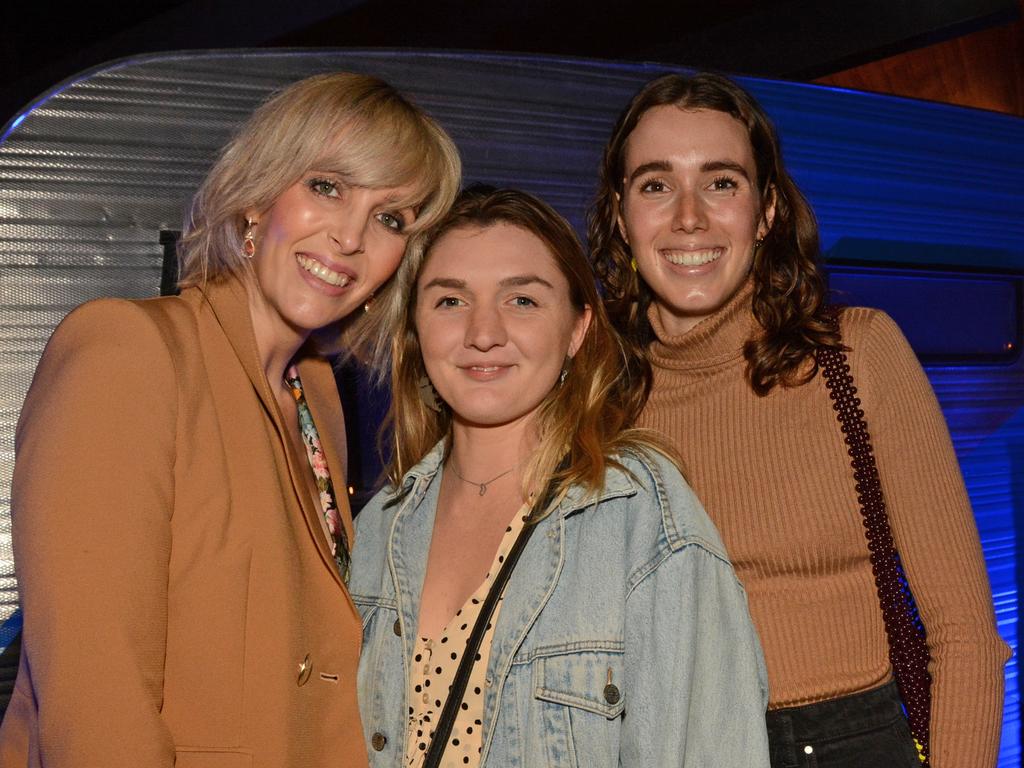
[715,341]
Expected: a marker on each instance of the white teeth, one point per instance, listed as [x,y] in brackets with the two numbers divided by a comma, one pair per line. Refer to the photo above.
[692,258]
[314,267]
[485,368]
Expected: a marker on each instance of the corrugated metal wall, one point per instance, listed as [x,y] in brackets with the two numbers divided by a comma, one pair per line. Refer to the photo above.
[97,169]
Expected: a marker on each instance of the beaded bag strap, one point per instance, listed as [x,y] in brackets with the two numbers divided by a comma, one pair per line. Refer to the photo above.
[908,651]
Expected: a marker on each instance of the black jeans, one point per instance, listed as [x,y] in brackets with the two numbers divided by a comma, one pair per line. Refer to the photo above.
[863,730]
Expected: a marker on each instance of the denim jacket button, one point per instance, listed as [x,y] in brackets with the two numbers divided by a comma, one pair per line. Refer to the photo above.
[611,694]
[398,627]
[487,682]
[378,740]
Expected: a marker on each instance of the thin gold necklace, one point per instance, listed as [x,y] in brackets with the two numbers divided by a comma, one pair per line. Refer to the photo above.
[481,486]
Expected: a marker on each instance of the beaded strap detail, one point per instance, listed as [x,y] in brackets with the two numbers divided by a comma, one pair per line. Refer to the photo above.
[908,651]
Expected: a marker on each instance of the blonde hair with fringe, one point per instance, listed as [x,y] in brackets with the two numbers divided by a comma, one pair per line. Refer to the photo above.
[588,419]
[352,125]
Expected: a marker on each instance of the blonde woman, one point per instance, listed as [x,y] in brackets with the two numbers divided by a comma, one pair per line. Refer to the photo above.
[621,636]
[181,526]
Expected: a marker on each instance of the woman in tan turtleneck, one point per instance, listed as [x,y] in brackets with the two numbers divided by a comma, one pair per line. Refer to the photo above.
[708,254]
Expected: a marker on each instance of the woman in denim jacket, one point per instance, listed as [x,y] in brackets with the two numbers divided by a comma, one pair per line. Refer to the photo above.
[622,636]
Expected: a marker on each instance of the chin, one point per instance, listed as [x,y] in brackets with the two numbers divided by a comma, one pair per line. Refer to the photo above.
[496,416]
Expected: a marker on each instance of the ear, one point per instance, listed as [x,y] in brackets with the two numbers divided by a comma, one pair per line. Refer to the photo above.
[619,220]
[579,332]
[764,226]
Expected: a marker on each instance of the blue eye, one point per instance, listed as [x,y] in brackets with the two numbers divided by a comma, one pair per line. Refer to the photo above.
[524,301]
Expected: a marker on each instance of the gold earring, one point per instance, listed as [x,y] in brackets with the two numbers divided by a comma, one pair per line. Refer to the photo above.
[248,242]
[632,263]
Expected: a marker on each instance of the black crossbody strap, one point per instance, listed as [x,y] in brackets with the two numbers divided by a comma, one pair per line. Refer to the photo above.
[443,731]
[908,651]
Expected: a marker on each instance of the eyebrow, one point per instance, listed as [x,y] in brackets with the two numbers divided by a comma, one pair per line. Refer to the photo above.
[509,282]
[520,280]
[708,167]
[445,282]
[654,165]
[725,165]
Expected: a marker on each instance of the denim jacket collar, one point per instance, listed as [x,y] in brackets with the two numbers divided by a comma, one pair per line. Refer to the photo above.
[618,483]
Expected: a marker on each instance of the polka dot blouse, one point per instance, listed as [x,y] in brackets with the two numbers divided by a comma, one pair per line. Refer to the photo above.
[434,665]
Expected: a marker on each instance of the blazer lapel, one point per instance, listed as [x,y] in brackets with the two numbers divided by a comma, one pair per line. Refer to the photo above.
[230,303]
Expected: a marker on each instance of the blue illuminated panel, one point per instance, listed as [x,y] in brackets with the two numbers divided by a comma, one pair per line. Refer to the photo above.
[947,317]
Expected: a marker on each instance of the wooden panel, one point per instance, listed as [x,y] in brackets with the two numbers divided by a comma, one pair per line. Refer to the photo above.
[984,69]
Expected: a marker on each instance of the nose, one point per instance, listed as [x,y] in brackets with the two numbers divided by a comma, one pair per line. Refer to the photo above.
[689,214]
[485,329]
[349,223]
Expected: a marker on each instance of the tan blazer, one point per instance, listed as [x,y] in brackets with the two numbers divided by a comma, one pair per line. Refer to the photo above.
[180,600]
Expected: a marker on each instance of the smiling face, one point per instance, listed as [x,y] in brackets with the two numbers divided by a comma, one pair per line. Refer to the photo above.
[495,323]
[690,210]
[322,249]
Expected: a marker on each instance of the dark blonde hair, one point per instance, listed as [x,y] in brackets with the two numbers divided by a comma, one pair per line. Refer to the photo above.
[789,285]
[587,419]
[355,126]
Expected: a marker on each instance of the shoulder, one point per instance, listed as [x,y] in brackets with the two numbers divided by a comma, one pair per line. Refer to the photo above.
[878,352]
[104,333]
[369,548]
[379,510]
[117,344]
[662,507]
[140,324]
[107,361]
[870,331]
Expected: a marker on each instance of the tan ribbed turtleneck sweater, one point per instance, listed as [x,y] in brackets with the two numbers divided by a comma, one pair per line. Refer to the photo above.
[774,476]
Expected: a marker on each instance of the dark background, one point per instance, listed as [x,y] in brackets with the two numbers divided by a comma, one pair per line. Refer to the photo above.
[968,52]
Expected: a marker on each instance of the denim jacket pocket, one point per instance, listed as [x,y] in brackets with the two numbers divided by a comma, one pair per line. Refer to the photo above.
[589,680]
[580,700]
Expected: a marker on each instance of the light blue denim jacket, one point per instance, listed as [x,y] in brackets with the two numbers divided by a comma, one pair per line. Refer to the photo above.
[635,581]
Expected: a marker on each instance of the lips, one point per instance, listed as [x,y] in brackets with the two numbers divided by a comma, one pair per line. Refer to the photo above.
[318,269]
[485,371]
[691,258]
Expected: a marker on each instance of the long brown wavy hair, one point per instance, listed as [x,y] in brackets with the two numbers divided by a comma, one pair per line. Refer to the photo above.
[586,419]
[789,285]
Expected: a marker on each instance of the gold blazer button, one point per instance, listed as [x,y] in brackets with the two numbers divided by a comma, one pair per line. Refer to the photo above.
[305,670]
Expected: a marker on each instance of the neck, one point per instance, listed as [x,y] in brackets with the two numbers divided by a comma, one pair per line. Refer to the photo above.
[276,341]
[717,340]
[479,452]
